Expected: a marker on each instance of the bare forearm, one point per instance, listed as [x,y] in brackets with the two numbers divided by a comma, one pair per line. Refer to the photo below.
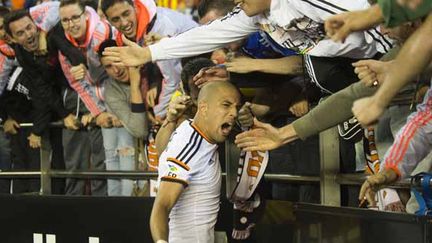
[159,223]
[288,134]
[417,51]
[287,65]
[163,135]
[136,95]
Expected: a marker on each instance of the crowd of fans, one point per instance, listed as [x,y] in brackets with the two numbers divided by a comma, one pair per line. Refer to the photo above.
[364,60]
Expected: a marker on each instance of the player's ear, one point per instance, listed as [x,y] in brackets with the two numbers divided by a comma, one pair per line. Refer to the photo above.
[202,107]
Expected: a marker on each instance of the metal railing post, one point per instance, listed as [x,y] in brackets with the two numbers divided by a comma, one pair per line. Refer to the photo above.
[45,165]
[329,154]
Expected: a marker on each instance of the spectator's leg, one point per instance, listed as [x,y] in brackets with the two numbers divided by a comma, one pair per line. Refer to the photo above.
[98,187]
[76,150]
[5,161]
[110,142]
[22,155]
[126,153]
[57,161]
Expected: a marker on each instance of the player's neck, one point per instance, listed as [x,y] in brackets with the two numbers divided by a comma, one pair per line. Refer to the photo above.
[200,124]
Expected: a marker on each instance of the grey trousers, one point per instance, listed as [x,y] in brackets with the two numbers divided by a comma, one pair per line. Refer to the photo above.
[83,150]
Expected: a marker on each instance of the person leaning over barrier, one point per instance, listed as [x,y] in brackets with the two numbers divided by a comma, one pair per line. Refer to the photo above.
[417,51]
[28,32]
[84,31]
[187,203]
[325,115]
[138,20]
[123,98]
[339,27]
[251,16]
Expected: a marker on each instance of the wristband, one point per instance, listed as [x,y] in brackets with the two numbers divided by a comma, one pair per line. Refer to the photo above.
[161,241]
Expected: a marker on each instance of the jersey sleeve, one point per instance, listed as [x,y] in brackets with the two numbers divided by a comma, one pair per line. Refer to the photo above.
[46,15]
[233,27]
[173,166]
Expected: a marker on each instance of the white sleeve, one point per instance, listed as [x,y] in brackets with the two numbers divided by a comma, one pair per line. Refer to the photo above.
[320,10]
[233,27]
[46,15]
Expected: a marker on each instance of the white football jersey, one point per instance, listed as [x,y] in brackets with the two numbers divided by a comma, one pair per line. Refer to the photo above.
[190,159]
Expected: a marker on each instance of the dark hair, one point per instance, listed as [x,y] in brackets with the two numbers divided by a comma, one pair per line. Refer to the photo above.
[3,11]
[106,43]
[191,68]
[14,16]
[222,6]
[91,3]
[106,4]
[71,2]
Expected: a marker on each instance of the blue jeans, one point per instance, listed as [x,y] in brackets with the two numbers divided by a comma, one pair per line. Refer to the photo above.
[119,155]
[5,161]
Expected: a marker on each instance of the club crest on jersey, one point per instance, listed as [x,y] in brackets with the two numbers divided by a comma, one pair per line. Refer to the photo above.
[172,168]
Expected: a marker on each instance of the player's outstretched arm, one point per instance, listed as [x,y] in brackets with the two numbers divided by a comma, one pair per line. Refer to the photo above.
[167,196]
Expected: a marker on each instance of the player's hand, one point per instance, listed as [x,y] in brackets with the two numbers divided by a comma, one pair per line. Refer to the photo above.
[78,72]
[104,120]
[130,55]
[241,65]
[152,96]
[261,137]
[339,26]
[300,108]
[87,119]
[71,123]
[367,111]
[177,107]
[211,74]
[374,183]
[11,126]
[371,72]
[245,115]
[34,141]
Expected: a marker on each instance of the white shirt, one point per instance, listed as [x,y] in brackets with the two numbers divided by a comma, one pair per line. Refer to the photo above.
[294,24]
[191,160]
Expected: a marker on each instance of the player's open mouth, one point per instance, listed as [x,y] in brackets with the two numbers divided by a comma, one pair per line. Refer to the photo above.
[226,128]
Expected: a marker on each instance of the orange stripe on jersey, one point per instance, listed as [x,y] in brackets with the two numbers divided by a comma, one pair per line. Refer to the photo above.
[176,180]
[201,133]
[179,163]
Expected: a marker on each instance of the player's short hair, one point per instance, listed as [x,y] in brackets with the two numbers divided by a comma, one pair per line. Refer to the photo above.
[106,4]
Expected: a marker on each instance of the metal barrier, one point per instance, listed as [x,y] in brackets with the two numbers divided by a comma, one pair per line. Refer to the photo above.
[330,179]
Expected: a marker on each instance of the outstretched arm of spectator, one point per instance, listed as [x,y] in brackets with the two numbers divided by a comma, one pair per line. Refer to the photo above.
[291,65]
[338,27]
[203,39]
[417,51]
[264,136]
[374,183]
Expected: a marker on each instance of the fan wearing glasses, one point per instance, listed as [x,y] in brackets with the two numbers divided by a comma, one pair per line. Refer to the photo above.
[85,30]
